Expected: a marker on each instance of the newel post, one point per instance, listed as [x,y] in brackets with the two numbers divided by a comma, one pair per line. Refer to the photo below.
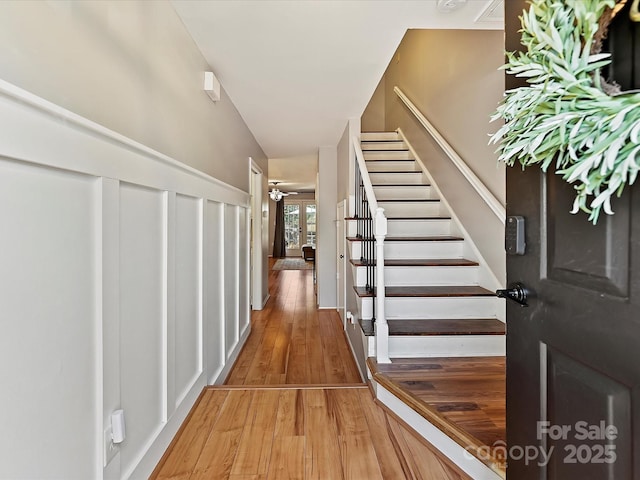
[381,325]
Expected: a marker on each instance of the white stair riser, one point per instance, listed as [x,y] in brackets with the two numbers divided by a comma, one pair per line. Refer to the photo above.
[414,178]
[397,193]
[391,145]
[416,276]
[378,136]
[352,228]
[447,346]
[419,228]
[409,228]
[418,250]
[442,346]
[389,155]
[392,166]
[433,307]
[411,209]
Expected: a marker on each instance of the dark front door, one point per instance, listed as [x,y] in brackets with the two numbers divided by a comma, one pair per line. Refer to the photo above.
[573,356]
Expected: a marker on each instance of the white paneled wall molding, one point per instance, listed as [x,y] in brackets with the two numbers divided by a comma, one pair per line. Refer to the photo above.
[124,284]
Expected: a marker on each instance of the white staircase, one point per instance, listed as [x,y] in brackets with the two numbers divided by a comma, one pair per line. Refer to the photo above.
[435,303]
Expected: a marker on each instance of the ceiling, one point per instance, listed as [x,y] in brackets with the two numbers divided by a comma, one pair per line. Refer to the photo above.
[296,70]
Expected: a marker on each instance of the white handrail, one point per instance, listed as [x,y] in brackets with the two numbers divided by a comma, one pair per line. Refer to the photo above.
[379,232]
[494,204]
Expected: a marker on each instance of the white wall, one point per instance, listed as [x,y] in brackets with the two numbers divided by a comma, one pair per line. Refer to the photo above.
[116,292]
[346,164]
[373,116]
[326,226]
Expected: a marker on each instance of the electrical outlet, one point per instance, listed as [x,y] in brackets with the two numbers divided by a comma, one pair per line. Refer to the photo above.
[110,448]
[351,318]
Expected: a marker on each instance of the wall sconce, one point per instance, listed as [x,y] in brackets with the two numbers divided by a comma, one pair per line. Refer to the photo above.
[212,86]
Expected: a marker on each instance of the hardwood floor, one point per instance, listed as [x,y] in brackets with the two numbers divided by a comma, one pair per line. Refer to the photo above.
[291,341]
[297,433]
[294,407]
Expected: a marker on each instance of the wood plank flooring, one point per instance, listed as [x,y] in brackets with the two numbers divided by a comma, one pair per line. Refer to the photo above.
[298,433]
[291,341]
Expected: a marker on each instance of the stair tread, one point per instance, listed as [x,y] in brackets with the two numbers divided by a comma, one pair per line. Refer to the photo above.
[430,291]
[427,327]
[416,262]
[388,159]
[441,238]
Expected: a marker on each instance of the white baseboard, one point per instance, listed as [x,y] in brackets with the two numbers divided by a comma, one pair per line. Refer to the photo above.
[262,305]
[156,449]
[363,375]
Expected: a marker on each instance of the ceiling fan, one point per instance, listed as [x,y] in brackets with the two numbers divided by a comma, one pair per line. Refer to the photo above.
[276,194]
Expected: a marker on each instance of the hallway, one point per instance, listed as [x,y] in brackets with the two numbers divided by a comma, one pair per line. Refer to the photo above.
[294,407]
[291,341]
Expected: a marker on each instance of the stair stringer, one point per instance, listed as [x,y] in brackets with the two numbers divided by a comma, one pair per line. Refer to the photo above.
[458,454]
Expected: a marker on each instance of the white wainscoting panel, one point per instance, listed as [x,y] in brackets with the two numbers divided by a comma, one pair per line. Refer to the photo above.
[48,322]
[188,294]
[244,290]
[142,345]
[214,326]
[231,278]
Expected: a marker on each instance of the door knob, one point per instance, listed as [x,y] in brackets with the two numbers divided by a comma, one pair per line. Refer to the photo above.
[516,292]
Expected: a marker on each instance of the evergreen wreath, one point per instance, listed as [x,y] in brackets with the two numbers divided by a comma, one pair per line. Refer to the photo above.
[568,115]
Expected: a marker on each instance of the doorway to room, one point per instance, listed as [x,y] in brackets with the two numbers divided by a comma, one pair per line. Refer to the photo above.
[299,225]
[255,237]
